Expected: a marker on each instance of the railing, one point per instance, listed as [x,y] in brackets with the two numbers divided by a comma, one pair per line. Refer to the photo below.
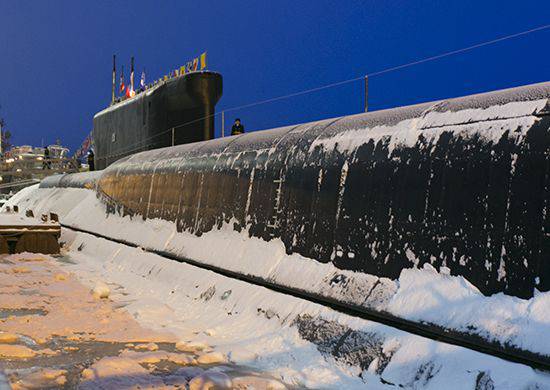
[19,183]
[35,167]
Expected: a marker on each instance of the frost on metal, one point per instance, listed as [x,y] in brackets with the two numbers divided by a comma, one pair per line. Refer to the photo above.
[458,183]
[74,180]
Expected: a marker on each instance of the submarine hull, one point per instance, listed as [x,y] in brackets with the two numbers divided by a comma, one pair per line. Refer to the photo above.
[462,184]
[431,206]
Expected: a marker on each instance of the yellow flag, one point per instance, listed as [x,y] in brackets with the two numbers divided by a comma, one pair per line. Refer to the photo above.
[182,70]
[203,61]
[165,77]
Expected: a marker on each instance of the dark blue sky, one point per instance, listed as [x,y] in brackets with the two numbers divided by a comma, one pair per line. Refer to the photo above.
[55,56]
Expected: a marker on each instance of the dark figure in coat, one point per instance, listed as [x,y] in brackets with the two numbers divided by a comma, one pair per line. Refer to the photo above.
[46,164]
[237,128]
[91,161]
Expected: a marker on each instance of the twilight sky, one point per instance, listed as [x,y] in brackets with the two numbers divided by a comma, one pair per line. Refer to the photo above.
[55,56]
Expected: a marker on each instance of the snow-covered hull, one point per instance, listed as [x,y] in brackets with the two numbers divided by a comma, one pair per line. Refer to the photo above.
[461,184]
[424,213]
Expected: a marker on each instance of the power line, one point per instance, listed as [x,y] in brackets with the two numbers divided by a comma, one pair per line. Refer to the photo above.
[394,68]
[450,53]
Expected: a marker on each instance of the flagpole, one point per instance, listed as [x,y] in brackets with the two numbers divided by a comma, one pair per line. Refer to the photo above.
[366,93]
[223,124]
[121,87]
[114,80]
[132,75]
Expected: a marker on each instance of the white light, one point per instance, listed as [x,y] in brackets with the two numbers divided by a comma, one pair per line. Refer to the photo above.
[39,158]
[18,170]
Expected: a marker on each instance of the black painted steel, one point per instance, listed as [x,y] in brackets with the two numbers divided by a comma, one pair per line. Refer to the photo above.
[460,199]
[185,103]
[461,184]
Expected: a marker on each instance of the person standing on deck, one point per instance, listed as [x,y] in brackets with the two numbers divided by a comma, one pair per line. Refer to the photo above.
[237,127]
[91,162]
[46,164]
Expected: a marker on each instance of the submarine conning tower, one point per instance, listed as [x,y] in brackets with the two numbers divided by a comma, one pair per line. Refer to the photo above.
[176,111]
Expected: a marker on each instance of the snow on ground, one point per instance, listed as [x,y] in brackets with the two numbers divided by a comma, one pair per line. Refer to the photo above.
[55,332]
[258,328]
[294,341]
[419,294]
[55,302]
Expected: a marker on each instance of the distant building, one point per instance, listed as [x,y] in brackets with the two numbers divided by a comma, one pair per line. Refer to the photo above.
[25,165]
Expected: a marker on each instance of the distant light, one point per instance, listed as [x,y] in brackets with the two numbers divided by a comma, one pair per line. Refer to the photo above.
[18,170]
[20,157]
[1,178]
[40,158]
[10,160]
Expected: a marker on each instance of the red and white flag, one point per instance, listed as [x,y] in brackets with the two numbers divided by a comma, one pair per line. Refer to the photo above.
[122,81]
[130,93]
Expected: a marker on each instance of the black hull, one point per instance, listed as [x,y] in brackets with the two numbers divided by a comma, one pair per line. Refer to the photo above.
[465,193]
[460,186]
[185,104]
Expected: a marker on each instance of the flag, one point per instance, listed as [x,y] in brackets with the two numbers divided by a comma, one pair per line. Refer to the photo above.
[182,70]
[113,93]
[121,90]
[86,144]
[142,82]
[195,64]
[130,93]
[203,61]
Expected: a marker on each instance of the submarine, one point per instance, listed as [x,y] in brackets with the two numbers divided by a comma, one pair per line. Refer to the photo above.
[346,211]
